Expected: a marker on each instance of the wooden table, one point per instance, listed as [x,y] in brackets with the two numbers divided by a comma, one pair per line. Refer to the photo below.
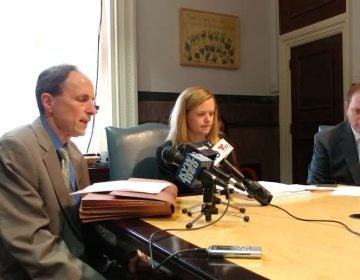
[292,249]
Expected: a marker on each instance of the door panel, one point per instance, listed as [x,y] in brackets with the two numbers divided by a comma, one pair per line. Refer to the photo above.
[316,94]
[295,14]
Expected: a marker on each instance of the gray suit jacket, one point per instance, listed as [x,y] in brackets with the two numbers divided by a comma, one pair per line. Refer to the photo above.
[39,236]
[335,157]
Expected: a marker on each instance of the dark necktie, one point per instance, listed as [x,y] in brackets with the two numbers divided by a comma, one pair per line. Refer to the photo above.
[65,168]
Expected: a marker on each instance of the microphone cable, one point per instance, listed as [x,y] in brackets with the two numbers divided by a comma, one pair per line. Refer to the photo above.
[317,220]
[319,181]
[183,229]
[97,73]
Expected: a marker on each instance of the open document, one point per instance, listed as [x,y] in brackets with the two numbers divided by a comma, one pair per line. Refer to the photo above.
[280,190]
[140,185]
[343,190]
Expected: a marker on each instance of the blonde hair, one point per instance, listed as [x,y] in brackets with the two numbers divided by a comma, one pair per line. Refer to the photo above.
[189,99]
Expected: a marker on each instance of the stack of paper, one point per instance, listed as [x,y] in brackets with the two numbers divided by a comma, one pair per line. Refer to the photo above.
[280,190]
[127,199]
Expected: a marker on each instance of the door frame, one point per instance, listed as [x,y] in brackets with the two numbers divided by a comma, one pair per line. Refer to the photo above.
[320,30]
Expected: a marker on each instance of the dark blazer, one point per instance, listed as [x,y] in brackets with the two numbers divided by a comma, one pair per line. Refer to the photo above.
[39,235]
[335,158]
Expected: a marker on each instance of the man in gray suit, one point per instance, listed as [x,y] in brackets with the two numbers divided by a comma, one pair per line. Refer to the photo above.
[336,149]
[41,236]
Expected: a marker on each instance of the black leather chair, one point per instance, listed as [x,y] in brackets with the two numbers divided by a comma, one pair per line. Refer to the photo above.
[132,151]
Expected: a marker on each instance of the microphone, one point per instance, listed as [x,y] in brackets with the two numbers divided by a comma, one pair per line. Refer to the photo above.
[257,191]
[191,166]
[194,165]
[228,178]
[204,150]
[210,153]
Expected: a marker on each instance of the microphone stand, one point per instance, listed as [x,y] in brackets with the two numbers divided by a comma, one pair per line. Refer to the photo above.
[208,207]
[234,184]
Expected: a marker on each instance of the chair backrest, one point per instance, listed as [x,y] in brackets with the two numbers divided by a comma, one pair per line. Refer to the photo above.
[324,127]
[132,151]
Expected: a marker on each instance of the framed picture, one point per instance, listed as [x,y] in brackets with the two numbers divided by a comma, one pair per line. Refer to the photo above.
[208,39]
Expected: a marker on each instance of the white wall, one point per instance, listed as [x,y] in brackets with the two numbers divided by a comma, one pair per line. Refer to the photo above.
[158,48]
[355,35]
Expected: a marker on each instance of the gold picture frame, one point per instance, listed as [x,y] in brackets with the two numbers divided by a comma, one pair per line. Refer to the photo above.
[208,39]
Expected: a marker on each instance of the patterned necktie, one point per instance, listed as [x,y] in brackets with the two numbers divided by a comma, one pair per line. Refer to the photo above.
[65,168]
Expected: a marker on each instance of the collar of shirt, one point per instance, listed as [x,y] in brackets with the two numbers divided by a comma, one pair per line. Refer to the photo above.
[54,138]
[356,135]
[56,141]
[357,141]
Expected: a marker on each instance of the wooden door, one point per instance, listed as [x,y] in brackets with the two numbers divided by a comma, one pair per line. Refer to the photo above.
[316,96]
[295,14]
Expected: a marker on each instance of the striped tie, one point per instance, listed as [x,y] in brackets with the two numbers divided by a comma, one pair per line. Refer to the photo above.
[65,168]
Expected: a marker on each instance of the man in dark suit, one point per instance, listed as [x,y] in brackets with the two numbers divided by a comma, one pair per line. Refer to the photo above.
[336,149]
[41,236]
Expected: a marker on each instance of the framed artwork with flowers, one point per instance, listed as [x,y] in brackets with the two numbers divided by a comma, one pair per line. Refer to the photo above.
[208,39]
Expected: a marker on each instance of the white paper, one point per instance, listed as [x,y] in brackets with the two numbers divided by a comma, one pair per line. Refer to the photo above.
[289,190]
[125,185]
[278,189]
[275,187]
[319,188]
[346,191]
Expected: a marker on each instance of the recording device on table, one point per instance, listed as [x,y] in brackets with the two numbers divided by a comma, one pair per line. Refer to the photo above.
[234,251]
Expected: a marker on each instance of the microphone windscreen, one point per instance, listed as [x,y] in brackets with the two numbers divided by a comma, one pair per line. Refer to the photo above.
[260,194]
[168,155]
[183,148]
[202,149]
[190,167]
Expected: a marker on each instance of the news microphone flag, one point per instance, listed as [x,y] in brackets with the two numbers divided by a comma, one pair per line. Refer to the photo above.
[223,149]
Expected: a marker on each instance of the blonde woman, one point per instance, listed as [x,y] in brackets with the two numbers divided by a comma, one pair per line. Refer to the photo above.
[194,119]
